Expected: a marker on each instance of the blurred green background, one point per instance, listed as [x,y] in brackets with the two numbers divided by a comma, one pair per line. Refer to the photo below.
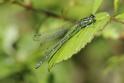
[101,61]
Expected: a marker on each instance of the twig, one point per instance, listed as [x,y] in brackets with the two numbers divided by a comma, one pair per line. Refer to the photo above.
[116,20]
[46,12]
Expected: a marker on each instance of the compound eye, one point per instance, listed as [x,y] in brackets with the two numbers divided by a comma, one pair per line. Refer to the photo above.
[92,16]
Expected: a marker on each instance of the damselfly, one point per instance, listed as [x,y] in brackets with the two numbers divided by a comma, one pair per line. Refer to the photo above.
[75,29]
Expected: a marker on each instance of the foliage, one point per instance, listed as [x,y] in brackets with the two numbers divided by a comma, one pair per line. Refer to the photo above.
[30,28]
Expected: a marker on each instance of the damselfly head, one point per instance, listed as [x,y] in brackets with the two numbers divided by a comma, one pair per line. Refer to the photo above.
[87,21]
[93,18]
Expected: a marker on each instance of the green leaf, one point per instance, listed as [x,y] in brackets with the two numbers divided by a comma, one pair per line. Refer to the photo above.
[116,4]
[111,31]
[80,40]
[96,5]
[120,17]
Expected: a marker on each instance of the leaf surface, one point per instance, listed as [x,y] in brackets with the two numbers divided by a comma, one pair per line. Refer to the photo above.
[79,40]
